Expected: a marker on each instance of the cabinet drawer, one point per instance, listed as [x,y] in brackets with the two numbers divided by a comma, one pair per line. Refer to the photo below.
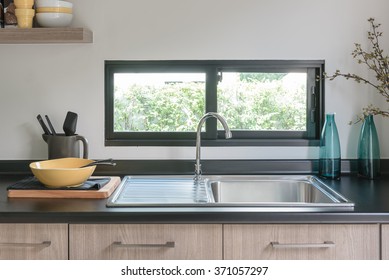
[330,241]
[145,241]
[33,241]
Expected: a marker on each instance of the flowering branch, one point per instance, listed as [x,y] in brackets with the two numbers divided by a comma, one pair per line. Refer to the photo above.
[375,61]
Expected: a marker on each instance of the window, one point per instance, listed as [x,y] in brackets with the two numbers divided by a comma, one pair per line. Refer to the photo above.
[264,102]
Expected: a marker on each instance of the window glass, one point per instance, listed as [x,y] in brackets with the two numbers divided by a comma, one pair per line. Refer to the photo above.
[158,102]
[263,101]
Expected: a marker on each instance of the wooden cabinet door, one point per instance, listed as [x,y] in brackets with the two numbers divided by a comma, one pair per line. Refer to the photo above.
[385,241]
[301,241]
[33,241]
[145,241]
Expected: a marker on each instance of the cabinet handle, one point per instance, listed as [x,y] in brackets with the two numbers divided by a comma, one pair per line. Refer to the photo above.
[35,245]
[325,244]
[168,244]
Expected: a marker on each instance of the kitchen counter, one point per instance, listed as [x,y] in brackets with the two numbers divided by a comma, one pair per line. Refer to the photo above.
[371,200]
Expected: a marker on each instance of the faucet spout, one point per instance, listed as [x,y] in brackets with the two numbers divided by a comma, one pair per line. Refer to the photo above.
[228,135]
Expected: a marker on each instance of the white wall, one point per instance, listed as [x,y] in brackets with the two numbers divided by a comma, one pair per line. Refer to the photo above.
[52,79]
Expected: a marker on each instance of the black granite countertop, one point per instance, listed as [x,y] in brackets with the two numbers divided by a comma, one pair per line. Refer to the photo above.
[371,198]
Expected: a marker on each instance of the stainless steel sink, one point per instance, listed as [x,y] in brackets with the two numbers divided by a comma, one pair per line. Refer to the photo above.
[260,191]
[274,191]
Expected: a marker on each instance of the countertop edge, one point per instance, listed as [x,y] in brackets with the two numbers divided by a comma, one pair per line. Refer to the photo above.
[196,218]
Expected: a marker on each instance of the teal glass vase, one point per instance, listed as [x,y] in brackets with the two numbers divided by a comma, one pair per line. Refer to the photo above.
[368,150]
[329,158]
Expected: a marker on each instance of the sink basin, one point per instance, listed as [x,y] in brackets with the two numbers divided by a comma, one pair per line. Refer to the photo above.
[260,191]
[274,191]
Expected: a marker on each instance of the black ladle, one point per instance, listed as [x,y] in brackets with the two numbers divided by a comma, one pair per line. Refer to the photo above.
[100,162]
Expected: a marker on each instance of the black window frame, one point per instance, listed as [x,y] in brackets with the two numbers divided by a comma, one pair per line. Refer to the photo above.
[211,136]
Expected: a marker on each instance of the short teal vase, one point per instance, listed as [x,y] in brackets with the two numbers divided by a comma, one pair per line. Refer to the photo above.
[368,150]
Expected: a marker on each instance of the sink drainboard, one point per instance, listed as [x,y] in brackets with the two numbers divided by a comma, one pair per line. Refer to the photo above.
[154,192]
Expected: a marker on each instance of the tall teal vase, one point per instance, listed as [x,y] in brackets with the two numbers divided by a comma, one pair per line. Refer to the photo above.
[368,150]
[329,161]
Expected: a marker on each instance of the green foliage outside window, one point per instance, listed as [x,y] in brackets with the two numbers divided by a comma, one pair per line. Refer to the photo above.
[251,103]
[173,107]
[263,106]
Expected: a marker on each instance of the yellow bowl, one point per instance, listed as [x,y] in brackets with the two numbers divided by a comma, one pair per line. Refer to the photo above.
[24,21]
[63,172]
[24,17]
[24,4]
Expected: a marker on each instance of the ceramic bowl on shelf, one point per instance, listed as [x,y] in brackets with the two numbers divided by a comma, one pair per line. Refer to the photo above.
[24,4]
[63,172]
[54,19]
[24,17]
[53,4]
[53,13]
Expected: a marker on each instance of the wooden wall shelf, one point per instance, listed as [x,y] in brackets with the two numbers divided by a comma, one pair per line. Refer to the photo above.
[45,35]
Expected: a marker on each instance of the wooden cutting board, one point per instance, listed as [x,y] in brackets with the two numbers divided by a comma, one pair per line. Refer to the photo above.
[104,192]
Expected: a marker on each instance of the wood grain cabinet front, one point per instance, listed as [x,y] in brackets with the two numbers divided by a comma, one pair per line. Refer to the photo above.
[385,241]
[33,241]
[145,241]
[302,241]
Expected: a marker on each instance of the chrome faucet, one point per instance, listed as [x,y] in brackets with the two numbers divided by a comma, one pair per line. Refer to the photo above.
[198,139]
